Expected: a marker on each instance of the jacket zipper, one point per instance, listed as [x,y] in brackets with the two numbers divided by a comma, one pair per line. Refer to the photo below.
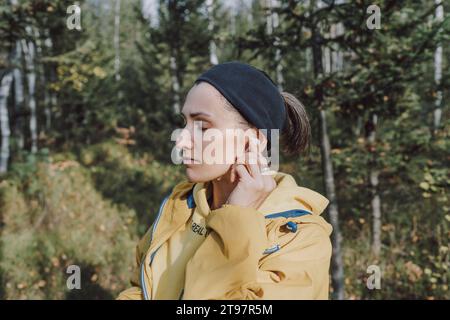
[144,289]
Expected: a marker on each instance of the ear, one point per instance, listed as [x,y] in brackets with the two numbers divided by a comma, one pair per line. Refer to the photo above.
[254,133]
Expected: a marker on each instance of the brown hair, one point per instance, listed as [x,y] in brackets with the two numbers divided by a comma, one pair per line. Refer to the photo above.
[296,135]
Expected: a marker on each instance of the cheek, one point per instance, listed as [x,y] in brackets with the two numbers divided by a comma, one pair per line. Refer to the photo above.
[221,148]
[236,147]
[232,148]
[216,151]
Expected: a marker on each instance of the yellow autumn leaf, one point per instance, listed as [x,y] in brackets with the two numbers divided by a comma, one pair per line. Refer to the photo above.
[99,72]
[424,185]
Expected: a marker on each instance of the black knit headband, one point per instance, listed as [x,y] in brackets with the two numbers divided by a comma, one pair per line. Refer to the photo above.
[250,91]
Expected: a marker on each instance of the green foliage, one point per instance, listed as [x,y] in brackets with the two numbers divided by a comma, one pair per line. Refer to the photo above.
[103,164]
[50,214]
[138,182]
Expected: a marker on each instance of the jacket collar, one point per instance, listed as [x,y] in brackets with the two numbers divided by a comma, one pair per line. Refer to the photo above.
[289,196]
[286,198]
[200,195]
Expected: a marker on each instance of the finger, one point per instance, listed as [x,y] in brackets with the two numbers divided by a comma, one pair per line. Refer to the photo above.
[233,172]
[265,169]
[268,180]
[241,160]
[252,164]
[242,172]
[262,161]
[253,157]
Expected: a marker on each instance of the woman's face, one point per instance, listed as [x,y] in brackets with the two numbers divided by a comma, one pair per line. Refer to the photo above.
[204,137]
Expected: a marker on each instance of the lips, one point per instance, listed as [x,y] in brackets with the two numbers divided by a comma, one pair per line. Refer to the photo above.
[190,161]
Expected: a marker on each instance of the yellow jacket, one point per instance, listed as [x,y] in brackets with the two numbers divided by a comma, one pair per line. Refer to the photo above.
[280,251]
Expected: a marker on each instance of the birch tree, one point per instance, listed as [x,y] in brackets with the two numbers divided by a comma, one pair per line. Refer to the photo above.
[272,25]
[375,202]
[117,40]
[325,146]
[438,71]
[28,50]
[212,44]
[18,94]
[5,88]
[42,77]
[174,54]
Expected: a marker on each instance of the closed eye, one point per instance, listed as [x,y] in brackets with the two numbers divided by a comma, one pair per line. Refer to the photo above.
[202,117]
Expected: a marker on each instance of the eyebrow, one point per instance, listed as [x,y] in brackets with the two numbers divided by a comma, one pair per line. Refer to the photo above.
[196,114]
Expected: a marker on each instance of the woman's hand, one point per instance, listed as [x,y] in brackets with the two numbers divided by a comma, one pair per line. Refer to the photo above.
[253,186]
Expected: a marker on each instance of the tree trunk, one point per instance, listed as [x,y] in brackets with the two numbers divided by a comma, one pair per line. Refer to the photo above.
[174,54]
[175,84]
[5,88]
[117,41]
[333,210]
[272,24]
[18,95]
[337,55]
[233,24]
[51,76]
[373,178]
[50,96]
[29,54]
[42,78]
[212,44]
[330,189]
[438,72]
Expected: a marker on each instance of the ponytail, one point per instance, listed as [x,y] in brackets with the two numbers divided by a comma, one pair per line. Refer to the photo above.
[296,135]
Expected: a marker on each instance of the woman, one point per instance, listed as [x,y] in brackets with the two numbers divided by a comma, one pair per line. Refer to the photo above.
[233,231]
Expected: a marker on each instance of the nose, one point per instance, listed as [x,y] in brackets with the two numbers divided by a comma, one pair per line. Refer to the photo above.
[184,140]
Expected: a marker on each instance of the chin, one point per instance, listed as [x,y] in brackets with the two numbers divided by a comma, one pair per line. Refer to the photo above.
[195,174]
[203,173]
